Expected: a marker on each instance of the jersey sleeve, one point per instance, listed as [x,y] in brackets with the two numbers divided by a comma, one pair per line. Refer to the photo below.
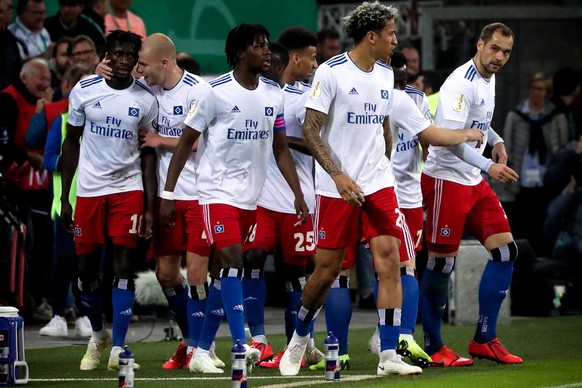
[409,117]
[76,107]
[279,124]
[150,120]
[202,109]
[456,99]
[323,90]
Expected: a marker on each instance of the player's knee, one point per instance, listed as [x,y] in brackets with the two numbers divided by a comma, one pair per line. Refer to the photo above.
[254,258]
[506,252]
[168,279]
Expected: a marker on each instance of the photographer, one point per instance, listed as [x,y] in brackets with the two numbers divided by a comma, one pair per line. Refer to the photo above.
[564,220]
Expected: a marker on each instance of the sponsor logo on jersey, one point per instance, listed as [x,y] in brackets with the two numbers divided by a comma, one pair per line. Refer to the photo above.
[445,232]
[368,116]
[353,91]
[97,105]
[459,103]
[133,112]
[235,110]
[111,130]
[385,94]
[218,228]
[178,110]
[406,144]
[269,111]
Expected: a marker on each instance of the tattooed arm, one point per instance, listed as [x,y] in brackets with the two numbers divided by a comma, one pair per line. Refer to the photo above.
[387,136]
[346,187]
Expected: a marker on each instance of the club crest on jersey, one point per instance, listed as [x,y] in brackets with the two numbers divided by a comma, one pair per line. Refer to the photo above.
[322,234]
[78,231]
[133,112]
[218,228]
[385,94]
[178,110]
[445,232]
[459,103]
[269,111]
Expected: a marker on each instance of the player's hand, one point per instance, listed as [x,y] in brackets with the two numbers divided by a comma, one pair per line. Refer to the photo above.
[103,68]
[168,213]
[502,173]
[149,138]
[475,134]
[67,216]
[349,190]
[301,210]
[147,225]
[35,160]
[499,154]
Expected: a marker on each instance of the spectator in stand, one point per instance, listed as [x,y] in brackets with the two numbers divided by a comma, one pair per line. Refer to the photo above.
[95,10]
[69,21]
[533,132]
[566,89]
[121,18]
[430,82]
[82,49]
[412,58]
[186,62]
[59,63]
[10,62]
[33,39]
[328,45]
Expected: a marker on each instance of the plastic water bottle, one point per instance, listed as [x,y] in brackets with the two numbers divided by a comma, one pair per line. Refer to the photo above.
[239,366]
[126,363]
[332,365]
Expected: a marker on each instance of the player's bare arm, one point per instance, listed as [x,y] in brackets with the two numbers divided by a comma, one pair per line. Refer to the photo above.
[440,136]
[183,149]
[153,139]
[387,136]
[298,144]
[499,154]
[287,167]
[150,185]
[70,160]
[349,190]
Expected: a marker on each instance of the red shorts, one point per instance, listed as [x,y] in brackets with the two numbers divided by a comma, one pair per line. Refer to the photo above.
[415,221]
[453,208]
[338,222]
[275,229]
[186,235]
[227,225]
[117,216]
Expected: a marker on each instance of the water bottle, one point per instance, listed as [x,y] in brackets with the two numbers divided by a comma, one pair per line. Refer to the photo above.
[332,365]
[126,362]
[239,366]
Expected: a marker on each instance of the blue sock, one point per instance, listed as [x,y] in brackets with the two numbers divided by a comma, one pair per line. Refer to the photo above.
[213,318]
[177,301]
[409,300]
[434,292]
[305,321]
[196,306]
[232,297]
[254,291]
[495,282]
[338,311]
[294,291]
[389,328]
[123,301]
[92,302]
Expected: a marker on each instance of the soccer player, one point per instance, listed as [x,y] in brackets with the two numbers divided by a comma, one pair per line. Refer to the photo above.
[240,117]
[459,199]
[110,193]
[349,103]
[302,46]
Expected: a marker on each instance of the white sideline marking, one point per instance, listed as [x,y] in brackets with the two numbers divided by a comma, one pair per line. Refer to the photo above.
[217,378]
[571,385]
[318,381]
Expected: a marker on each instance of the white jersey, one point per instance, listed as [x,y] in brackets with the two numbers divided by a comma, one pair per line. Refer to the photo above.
[467,99]
[356,103]
[406,121]
[277,194]
[109,160]
[237,125]
[174,107]
[303,86]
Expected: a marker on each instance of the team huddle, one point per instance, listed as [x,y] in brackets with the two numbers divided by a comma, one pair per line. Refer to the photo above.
[221,173]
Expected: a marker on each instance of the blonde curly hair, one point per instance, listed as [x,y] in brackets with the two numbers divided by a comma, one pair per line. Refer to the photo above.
[369,16]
